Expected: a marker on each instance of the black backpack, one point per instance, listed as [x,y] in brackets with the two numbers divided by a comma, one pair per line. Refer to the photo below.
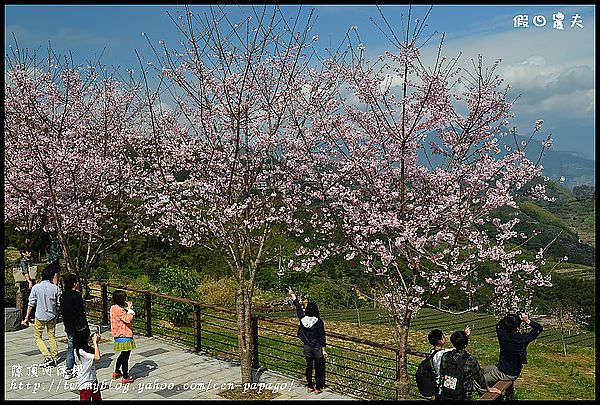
[452,376]
[426,376]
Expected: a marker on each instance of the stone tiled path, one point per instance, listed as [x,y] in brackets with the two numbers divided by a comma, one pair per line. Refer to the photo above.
[162,370]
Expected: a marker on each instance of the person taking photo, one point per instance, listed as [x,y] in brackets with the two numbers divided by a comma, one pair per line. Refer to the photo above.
[513,347]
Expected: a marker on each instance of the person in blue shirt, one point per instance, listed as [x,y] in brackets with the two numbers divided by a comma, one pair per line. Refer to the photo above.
[311,331]
[45,297]
[513,348]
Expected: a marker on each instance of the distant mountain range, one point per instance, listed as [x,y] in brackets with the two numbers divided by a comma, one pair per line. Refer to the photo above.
[575,170]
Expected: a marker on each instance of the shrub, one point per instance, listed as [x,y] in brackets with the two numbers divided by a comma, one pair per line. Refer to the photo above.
[143,282]
[329,295]
[218,292]
[104,272]
[10,291]
[178,282]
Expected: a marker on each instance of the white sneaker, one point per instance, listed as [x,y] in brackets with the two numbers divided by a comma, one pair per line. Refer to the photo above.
[47,362]
[68,374]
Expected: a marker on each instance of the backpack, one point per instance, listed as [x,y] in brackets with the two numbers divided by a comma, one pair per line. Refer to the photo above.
[426,381]
[452,376]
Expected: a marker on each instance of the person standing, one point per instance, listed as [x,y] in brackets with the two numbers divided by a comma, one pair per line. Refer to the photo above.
[85,357]
[45,296]
[25,262]
[458,370]
[121,315]
[25,265]
[311,331]
[513,348]
[53,252]
[73,314]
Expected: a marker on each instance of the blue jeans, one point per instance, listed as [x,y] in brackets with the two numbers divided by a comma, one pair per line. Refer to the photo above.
[70,357]
[25,266]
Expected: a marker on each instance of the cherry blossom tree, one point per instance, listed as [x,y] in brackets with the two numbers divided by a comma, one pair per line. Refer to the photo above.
[65,131]
[369,162]
[215,169]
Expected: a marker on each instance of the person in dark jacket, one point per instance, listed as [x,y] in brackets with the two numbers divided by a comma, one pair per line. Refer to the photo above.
[73,313]
[513,348]
[311,331]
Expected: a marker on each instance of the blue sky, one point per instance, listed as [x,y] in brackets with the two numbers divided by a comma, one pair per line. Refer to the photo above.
[553,71]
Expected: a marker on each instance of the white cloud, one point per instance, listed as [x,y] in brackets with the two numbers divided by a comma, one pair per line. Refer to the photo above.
[547,88]
[581,104]
[552,72]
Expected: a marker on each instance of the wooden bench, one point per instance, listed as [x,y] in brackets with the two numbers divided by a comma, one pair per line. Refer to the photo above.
[507,388]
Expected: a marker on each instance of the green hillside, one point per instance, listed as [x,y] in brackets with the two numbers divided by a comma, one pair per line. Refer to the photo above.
[577,208]
[544,216]
[569,219]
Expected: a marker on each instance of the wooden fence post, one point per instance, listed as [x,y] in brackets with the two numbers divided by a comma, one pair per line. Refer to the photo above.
[104,304]
[148,299]
[510,392]
[19,302]
[198,330]
[397,371]
[255,363]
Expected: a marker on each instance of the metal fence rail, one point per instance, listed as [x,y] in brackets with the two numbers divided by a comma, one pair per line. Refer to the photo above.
[357,367]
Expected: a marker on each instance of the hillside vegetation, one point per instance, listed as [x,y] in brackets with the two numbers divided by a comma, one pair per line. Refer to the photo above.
[339,284]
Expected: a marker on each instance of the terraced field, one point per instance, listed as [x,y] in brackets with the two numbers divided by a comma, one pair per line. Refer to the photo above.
[482,325]
[578,271]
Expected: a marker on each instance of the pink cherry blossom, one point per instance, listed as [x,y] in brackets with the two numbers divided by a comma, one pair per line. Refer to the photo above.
[65,134]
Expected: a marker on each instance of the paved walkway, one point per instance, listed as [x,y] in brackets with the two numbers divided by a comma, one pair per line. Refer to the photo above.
[162,370]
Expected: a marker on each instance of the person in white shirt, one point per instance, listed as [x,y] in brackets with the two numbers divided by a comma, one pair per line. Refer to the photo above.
[85,357]
[437,339]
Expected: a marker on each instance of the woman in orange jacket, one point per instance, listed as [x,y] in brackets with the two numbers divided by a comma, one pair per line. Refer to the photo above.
[121,314]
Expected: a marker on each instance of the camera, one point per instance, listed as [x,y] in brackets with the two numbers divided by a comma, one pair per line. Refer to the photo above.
[96,331]
[523,357]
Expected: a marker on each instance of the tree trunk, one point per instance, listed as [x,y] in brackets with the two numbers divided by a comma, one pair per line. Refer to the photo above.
[402,381]
[85,287]
[243,307]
